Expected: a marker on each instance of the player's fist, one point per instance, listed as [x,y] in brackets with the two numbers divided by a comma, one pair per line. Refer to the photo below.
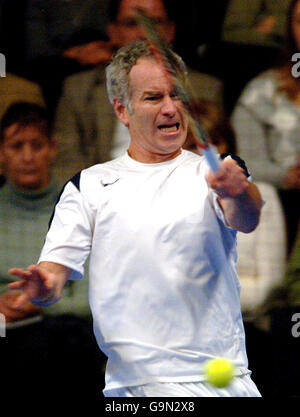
[229,181]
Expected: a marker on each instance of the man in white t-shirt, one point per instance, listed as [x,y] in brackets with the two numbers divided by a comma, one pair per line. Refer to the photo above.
[160,232]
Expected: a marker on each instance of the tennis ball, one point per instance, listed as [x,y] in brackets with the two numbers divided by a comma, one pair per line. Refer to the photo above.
[219,372]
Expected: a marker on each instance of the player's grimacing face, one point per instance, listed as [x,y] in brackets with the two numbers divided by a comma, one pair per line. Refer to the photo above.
[156,122]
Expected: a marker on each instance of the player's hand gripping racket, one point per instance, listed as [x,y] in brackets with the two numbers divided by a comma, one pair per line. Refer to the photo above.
[181,86]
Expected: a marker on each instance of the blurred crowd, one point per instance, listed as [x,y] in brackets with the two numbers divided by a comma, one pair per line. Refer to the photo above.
[56,119]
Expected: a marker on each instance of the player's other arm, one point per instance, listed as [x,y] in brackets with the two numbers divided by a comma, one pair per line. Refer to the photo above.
[239,199]
[42,284]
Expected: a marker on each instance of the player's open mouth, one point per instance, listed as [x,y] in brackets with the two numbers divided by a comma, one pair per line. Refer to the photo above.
[169,128]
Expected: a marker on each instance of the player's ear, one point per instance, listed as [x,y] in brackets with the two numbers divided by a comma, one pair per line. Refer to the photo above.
[121,112]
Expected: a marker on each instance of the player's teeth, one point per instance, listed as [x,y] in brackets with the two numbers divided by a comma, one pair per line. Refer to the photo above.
[169,128]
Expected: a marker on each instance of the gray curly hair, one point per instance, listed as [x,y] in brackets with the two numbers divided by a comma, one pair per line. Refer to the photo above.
[117,72]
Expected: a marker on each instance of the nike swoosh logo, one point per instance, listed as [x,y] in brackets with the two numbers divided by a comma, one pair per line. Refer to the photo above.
[105,184]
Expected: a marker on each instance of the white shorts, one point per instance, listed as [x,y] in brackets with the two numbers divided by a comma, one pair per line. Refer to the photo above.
[241,386]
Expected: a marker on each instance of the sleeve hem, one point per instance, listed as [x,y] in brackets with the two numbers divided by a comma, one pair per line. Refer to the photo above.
[76,272]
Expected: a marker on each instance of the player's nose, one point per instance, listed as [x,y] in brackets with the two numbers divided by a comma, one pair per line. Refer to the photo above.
[168,106]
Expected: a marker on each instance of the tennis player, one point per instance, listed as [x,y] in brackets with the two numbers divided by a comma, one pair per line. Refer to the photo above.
[160,232]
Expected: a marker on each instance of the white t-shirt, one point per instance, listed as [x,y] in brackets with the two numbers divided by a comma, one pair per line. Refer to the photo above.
[164,292]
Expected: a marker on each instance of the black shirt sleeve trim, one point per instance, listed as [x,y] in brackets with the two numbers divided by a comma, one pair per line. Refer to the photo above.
[74,180]
[239,160]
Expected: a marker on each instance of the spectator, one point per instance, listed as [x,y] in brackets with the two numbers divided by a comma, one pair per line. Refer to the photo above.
[266,120]
[85,125]
[14,88]
[49,337]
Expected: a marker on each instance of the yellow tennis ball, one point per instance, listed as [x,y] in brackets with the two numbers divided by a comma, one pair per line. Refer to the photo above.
[219,372]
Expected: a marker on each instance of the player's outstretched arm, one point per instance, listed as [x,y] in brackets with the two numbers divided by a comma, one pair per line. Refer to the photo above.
[42,284]
[239,199]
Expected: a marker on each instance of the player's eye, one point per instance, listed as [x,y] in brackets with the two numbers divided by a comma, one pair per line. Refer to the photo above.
[152,98]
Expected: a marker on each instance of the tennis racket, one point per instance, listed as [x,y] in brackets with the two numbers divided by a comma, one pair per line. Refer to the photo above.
[181,85]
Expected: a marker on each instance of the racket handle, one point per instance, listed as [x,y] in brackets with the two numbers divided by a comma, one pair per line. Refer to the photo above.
[211,158]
